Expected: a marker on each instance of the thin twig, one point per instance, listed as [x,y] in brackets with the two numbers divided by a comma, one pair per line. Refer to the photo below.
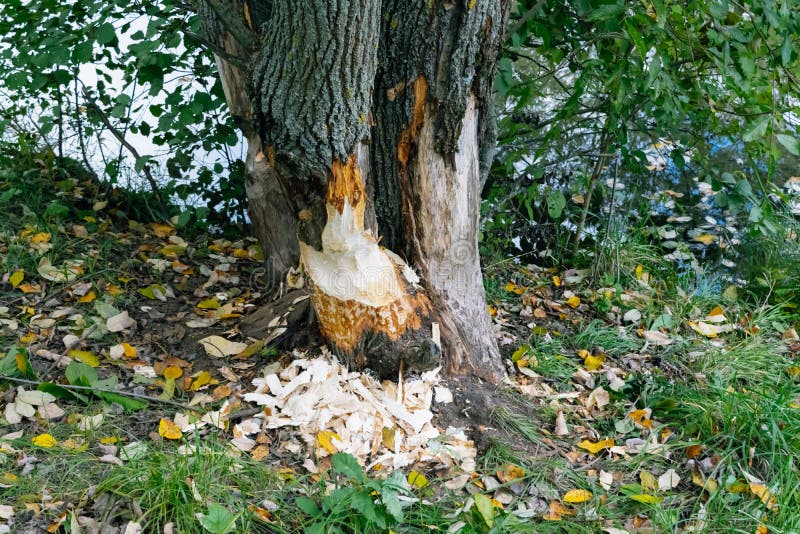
[124,142]
[156,400]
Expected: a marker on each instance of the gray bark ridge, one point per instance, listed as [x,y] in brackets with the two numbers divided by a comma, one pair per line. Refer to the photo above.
[312,82]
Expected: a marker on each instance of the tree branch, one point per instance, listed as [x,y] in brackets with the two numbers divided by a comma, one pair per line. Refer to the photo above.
[129,147]
[233,24]
[216,50]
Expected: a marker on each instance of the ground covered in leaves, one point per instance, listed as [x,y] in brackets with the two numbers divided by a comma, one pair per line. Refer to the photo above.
[133,397]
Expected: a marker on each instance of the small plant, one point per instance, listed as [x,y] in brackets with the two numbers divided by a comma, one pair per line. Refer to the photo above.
[375,502]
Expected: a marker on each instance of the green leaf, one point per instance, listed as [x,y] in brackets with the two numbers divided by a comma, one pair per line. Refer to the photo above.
[128,403]
[485,508]
[106,33]
[392,503]
[363,503]
[347,465]
[308,506]
[61,392]
[556,202]
[636,37]
[756,129]
[606,12]
[786,51]
[218,520]
[80,374]
[789,142]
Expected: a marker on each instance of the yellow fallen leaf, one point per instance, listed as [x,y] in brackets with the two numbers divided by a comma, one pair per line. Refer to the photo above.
[702,328]
[761,491]
[110,440]
[556,511]
[415,478]
[30,337]
[639,271]
[692,451]
[514,288]
[641,417]
[325,440]
[29,288]
[172,372]
[16,277]
[209,304]
[201,380]
[595,447]
[128,351]
[88,297]
[510,472]
[84,356]
[705,239]
[574,301]
[593,363]
[41,237]
[556,281]
[162,229]
[172,250]
[648,480]
[113,290]
[388,437]
[45,440]
[646,499]
[8,479]
[710,484]
[167,429]
[577,496]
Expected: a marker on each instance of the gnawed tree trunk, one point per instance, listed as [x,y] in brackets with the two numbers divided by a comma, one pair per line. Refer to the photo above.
[412,79]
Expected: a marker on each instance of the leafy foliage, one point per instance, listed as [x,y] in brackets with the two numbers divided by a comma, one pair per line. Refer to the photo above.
[603,90]
[80,74]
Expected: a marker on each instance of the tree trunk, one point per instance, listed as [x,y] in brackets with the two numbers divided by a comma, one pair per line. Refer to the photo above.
[413,81]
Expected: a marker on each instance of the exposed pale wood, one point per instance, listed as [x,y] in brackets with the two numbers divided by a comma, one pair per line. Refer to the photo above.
[448,253]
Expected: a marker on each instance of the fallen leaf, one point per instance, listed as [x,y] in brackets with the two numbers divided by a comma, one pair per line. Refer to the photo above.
[510,472]
[596,446]
[219,347]
[574,301]
[119,322]
[556,511]
[646,499]
[163,230]
[201,380]
[668,480]
[325,440]
[45,440]
[761,491]
[654,337]
[16,278]
[692,451]
[642,418]
[415,478]
[648,481]
[88,297]
[561,425]
[66,273]
[593,363]
[84,356]
[705,239]
[167,429]
[577,496]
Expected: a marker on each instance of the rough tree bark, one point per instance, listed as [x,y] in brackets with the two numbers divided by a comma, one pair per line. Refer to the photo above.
[398,92]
